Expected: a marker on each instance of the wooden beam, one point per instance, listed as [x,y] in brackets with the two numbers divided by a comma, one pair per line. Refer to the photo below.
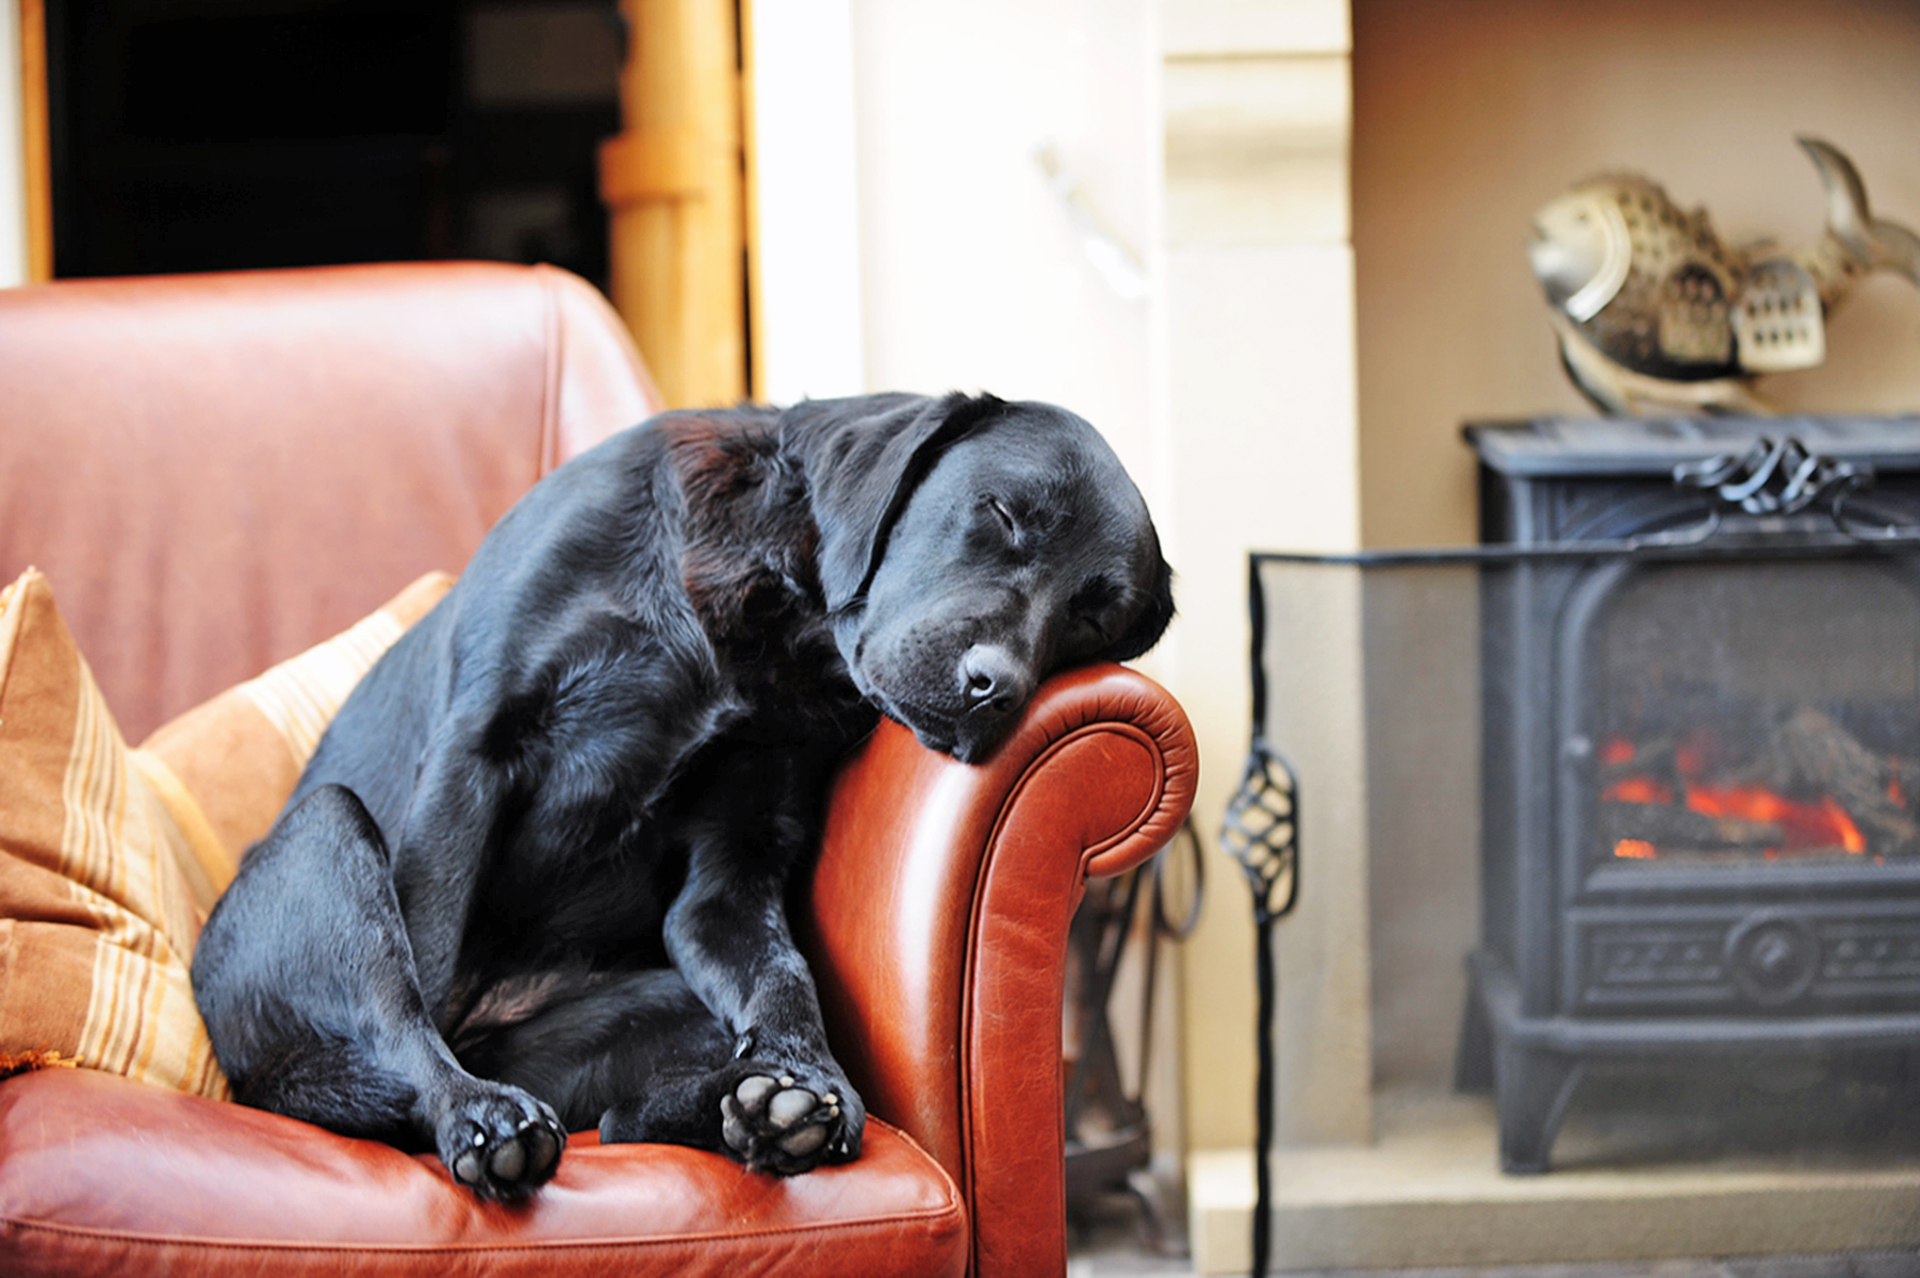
[36,147]
[673,183]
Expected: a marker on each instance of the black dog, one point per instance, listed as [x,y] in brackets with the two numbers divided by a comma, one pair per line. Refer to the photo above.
[534,878]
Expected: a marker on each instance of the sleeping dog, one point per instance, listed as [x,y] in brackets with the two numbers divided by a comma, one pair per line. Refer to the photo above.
[534,877]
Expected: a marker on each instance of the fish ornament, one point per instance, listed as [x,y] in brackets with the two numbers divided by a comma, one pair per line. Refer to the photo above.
[1653,312]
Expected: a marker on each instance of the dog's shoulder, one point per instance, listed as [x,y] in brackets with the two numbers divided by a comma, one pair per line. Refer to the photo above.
[747,536]
[716,455]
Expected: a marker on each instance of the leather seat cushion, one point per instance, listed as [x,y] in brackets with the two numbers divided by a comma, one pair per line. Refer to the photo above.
[100,1175]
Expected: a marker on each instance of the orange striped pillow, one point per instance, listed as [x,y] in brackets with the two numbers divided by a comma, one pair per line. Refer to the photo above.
[110,858]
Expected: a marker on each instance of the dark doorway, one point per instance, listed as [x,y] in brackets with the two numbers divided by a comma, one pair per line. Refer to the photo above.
[199,135]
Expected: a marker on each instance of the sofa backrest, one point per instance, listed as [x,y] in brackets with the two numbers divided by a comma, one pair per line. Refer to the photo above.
[217,471]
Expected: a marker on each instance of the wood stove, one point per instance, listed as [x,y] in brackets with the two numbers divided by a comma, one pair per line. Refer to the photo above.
[1701,760]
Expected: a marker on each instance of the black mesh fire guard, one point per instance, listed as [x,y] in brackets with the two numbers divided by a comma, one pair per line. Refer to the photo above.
[1674,700]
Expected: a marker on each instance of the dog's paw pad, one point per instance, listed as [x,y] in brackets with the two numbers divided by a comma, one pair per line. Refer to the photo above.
[805,1141]
[775,1123]
[502,1144]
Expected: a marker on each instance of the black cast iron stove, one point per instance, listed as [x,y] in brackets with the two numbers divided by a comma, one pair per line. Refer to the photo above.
[1701,818]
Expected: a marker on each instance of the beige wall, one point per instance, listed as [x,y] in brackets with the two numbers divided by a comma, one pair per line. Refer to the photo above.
[1469,114]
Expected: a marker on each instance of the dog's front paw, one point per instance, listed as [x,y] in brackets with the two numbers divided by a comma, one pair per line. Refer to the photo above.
[779,1122]
[499,1141]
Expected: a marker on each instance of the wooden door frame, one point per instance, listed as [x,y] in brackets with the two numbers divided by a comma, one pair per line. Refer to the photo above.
[36,147]
[674,184]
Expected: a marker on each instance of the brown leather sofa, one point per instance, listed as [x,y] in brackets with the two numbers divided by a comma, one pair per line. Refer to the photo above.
[218,471]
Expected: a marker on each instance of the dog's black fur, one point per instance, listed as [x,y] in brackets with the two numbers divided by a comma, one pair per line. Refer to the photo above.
[534,877]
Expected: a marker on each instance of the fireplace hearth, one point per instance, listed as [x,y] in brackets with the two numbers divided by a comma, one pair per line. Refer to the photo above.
[1700,757]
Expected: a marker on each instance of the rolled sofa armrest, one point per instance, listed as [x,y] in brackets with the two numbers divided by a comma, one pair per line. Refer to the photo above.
[937,929]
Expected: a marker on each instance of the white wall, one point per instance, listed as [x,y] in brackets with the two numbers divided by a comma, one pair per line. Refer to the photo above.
[974,273]
[810,338]
[909,239]
[13,180]
[980,271]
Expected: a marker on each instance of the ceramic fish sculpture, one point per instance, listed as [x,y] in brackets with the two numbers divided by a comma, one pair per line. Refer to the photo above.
[1653,311]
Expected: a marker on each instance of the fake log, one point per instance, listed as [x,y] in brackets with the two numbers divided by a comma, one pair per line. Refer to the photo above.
[1806,763]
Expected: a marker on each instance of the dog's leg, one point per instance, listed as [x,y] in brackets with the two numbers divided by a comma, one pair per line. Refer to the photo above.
[642,1045]
[437,861]
[643,1058]
[784,1104]
[305,976]
[739,1109]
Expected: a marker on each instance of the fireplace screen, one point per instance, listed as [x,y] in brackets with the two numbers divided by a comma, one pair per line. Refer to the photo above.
[1750,711]
[1648,758]
[1664,805]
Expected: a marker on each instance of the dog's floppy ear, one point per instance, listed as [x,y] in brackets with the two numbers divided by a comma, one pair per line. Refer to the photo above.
[863,457]
[1150,624]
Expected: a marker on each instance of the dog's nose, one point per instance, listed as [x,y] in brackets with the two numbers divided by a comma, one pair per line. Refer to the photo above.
[995,683]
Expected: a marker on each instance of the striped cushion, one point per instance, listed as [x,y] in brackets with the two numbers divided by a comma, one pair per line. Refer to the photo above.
[110,858]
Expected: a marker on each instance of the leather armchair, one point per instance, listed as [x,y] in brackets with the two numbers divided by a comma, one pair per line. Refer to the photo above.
[219,471]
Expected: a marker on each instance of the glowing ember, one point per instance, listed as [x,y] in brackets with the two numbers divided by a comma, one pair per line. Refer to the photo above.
[1850,837]
[1807,825]
[1638,790]
[1804,827]
[1805,787]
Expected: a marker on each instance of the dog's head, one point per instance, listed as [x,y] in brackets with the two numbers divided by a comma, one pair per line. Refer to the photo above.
[970,547]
